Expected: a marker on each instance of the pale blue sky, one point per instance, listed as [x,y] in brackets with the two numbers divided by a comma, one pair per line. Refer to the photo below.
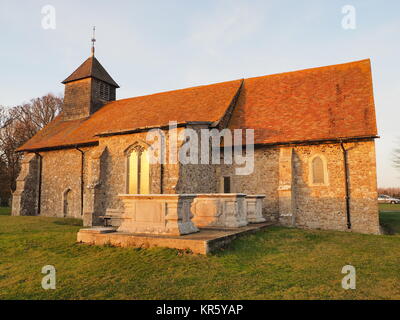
[152,46]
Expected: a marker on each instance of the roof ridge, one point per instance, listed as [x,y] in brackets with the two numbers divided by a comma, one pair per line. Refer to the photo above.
[312,69]
[231,108]
[91,65]
[244,79]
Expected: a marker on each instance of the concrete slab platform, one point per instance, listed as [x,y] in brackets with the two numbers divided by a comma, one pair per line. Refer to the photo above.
[98,230]
[203,242]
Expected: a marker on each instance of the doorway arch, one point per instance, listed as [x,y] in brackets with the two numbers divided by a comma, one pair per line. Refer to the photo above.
[67,202]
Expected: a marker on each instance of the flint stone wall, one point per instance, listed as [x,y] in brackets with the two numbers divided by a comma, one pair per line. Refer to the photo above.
[282,174]
[27,187]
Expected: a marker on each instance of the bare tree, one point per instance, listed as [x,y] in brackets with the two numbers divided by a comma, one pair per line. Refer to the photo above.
[9,159]
[4,180]
[20,123]
[29,118]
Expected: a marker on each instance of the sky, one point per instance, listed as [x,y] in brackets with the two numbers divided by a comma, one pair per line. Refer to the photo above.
[159,45]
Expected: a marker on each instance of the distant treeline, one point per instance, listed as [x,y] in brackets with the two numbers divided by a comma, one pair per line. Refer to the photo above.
[393,192]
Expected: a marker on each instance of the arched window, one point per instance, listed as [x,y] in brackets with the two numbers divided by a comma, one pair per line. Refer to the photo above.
[318,171]
[138,171]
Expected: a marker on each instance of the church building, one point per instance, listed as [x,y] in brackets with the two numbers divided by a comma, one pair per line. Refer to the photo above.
[314,153]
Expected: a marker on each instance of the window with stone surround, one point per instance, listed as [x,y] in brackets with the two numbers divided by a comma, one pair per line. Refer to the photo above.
[318,171]
[138,169]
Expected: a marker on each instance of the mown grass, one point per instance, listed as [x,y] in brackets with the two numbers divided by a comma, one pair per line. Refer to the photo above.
[278,263]
[390,216]
[5,211]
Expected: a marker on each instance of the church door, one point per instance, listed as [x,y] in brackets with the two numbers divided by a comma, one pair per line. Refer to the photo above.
[66,202]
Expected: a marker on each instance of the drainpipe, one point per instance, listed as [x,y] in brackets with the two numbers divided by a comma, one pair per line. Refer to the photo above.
[347,185]
[82,183]
[40,184]
[161,178]
[162,162]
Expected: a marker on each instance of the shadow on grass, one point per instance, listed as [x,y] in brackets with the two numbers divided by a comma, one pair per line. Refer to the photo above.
[5,211]
[390,222]
[69,222]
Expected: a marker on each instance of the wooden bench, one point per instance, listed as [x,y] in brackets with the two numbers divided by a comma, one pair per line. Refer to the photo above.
[111,214]
[106,220]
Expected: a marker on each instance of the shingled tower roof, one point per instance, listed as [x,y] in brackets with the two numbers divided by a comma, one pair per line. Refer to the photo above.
[91,68]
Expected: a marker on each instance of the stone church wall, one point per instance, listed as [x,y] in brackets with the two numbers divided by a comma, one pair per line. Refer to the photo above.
[197,178]
[27,187]
[168,179]
[283,175]
[264,180]
[324,206]
[61,183]
[114,180]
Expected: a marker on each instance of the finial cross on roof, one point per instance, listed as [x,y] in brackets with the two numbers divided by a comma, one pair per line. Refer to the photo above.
[93,40]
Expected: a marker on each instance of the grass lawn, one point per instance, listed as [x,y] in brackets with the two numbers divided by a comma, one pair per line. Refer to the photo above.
[390,215]
[5,211]
[278,263]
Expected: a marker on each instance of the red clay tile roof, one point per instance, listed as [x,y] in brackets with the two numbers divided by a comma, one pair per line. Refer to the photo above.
[204,103]
[91,68]
[313,104]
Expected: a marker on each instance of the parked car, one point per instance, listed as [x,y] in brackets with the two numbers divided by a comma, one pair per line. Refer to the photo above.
[388,199]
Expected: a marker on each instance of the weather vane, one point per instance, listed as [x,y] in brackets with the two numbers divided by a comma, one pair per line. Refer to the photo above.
[93,40]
